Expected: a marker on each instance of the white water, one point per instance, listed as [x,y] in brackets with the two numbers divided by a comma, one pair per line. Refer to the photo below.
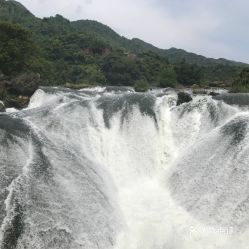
[124,181]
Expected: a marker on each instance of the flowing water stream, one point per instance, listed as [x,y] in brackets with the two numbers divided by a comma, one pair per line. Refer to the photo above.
[109,168]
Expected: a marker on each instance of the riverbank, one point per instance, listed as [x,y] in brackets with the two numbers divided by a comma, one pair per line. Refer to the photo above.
[15,92]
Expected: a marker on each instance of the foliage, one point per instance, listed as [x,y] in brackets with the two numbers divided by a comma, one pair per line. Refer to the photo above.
[188,74]
[12,11]
[88,52]
[241,84]
[94,74]
[151,65]
[167,77]
[16,48]
[78,86]
[119,69]
[220,73]
[141,85]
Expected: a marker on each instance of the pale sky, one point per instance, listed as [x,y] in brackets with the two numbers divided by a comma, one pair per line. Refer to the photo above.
[213,28]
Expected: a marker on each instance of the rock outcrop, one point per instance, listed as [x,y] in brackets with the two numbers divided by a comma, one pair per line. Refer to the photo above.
[183,97]
[220,84]
[214,94]
[17,91]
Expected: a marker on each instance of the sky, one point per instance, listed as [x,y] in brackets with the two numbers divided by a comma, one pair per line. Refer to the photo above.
[213,28]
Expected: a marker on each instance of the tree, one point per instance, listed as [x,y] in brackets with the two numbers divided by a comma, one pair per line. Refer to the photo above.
[241,84]
[120,69]
[94,75]
[141,85]
[16,48]
[188,74]
[167,77]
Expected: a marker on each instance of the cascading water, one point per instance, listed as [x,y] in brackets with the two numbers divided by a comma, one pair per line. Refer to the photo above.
[109,168]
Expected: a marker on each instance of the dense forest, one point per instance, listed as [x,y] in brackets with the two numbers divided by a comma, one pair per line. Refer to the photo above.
[82,53]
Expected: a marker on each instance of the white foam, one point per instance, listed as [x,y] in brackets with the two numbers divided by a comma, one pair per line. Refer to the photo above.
[129,165]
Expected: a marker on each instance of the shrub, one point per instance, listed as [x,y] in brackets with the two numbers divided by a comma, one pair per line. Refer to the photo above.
[141,86]
[167,77]
[241,84]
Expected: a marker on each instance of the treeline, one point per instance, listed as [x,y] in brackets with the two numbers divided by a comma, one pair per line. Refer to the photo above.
[70,54]
[85,59]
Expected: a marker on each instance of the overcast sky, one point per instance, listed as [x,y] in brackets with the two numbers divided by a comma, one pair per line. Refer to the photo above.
[214,28]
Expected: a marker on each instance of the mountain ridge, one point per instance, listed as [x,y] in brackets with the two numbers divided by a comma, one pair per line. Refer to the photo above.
[20,14]
[87,52]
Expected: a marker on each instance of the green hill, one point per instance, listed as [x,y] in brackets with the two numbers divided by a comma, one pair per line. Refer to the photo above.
[87,51]
[13,11]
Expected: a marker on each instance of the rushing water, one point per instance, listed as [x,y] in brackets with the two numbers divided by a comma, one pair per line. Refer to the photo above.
[109,168]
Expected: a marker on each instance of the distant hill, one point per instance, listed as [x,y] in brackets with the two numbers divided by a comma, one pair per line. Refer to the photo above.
[16,12]
[138,46]
[177,55]
[89,51]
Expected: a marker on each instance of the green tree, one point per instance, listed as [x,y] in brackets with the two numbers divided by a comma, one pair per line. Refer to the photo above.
[120,69]
[16,48]
[167,77]
[94,75]
[241,84]
[188,74]
[141,85]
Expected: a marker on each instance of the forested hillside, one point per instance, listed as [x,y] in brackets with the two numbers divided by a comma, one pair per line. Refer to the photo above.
[88,53]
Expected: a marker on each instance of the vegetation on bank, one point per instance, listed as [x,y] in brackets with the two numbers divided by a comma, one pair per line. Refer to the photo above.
[241,84]
[141,86]
[87,53]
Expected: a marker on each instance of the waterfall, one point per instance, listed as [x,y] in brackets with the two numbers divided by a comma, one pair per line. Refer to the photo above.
[106,168]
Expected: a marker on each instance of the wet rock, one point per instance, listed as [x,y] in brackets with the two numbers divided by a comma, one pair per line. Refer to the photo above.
[214,94]
[17,102]
[183,97]
[25,84]
[200,91]
[2,107]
